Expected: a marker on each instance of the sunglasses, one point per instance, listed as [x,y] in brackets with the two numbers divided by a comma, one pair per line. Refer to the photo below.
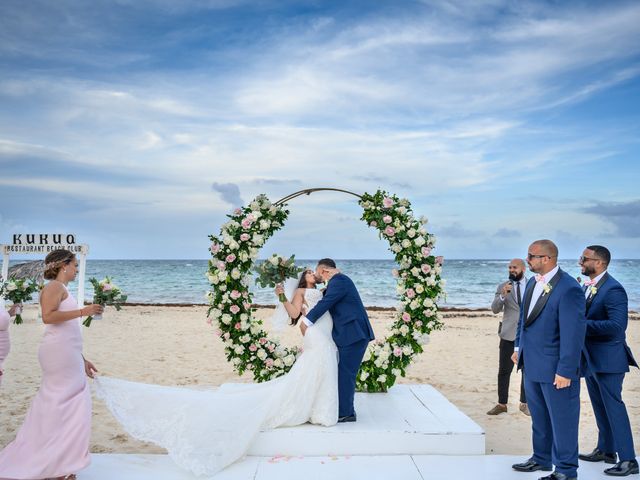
[531,256]
[583,259]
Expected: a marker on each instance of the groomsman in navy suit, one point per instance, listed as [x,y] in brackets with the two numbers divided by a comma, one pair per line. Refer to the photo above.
[351,333]
[606,358]
[548,347]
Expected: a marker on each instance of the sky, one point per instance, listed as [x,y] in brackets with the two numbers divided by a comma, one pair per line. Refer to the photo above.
[138,125]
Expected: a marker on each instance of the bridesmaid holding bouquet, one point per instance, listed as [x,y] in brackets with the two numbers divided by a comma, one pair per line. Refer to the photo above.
[53,441]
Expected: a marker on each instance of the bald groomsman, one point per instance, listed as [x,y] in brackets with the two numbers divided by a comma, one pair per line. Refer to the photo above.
[606,359]
[548,347]
[507,299]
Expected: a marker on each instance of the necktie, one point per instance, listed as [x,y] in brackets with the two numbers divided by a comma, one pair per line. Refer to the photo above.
[518,293]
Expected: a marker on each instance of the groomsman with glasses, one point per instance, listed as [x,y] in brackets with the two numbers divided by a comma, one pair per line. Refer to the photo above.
[508,299]
[548,346]
[605,360]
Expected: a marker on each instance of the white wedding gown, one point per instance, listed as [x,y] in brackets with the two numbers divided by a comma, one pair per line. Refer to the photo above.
[205,430]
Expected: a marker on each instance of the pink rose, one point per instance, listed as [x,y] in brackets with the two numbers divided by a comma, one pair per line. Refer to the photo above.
[425,268]
[418,323]
[395,273]
[406,317]
[215,248]
[426,251]
[271,347]
[269,362]
[262,341]
[410,293]
[244,237]
[397,352]
[440,260]
[387,202]
[237,326]
[390,231]
[221,266]
[227,336]
[387,219]
[235,294]
[218,332]
[234,309]
[373,224]
[231,258]
[246,223]
[246,305]
[107,287]
[253,348]
[237,211]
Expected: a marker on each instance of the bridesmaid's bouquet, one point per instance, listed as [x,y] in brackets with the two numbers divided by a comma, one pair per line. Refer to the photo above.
[276,269]
[105,293]
[19,290]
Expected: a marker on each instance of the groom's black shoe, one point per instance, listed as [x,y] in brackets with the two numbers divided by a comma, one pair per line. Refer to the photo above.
[530,466]
[348,418]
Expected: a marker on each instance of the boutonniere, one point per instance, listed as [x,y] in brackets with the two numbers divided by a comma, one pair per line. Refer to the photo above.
[546,289]
[594,290]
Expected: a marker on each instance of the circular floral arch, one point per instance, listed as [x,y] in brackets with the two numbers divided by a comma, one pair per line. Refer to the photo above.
[419,286]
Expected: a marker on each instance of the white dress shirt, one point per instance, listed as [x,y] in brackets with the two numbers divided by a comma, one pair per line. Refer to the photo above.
[587,291]
[538,288]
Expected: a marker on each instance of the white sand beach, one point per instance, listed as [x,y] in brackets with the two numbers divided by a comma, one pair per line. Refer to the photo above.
[175,346]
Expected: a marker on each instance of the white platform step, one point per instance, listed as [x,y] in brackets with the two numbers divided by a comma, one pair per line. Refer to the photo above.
[401,467]
[409,419]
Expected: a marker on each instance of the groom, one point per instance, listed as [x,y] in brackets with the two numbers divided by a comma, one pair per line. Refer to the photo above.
[352,331]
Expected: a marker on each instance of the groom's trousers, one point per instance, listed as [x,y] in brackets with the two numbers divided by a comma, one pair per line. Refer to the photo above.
[349,360]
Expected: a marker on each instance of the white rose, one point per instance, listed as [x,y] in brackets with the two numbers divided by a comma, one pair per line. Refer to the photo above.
[261,354]
[222,288]
[288,360]
[396,371]
[226,318]
[277,363]
[265,224]
[364,376]
[258,239]
[395,248]
[254,206]
[367,355]
[235,274]
[404,329]
[406,243]
[382,378]
[273,260]
[239,349]
[419,288]
[407,350]
[420,241]
[411,232]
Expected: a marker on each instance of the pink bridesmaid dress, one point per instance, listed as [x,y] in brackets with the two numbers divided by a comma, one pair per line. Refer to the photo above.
[54,438]
[5,345]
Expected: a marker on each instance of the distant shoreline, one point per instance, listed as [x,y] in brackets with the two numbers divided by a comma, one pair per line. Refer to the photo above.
[372,308]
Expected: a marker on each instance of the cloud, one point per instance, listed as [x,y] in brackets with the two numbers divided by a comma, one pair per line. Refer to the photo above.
[625,216]
[230,193]
[507,233]
[456,230]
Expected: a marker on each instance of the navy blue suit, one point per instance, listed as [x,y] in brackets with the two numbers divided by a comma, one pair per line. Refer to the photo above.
[550,341]
[606,358]
[352,333]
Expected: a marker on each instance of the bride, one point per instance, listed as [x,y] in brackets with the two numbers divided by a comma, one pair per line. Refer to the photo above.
[205,430]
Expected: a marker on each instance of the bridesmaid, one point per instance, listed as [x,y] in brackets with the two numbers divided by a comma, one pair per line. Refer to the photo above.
[53,441]
[5,344]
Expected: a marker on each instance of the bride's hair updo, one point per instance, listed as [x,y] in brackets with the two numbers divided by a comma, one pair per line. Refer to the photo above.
[55,261]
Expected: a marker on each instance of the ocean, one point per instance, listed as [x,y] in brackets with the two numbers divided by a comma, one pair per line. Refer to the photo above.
[470,283]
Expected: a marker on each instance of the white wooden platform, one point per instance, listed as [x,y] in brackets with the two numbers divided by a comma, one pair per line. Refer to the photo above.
[409,419]
[400,467]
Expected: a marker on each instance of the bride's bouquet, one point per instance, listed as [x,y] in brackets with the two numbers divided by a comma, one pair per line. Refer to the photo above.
[19,290]
[105,293]
[276,269]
